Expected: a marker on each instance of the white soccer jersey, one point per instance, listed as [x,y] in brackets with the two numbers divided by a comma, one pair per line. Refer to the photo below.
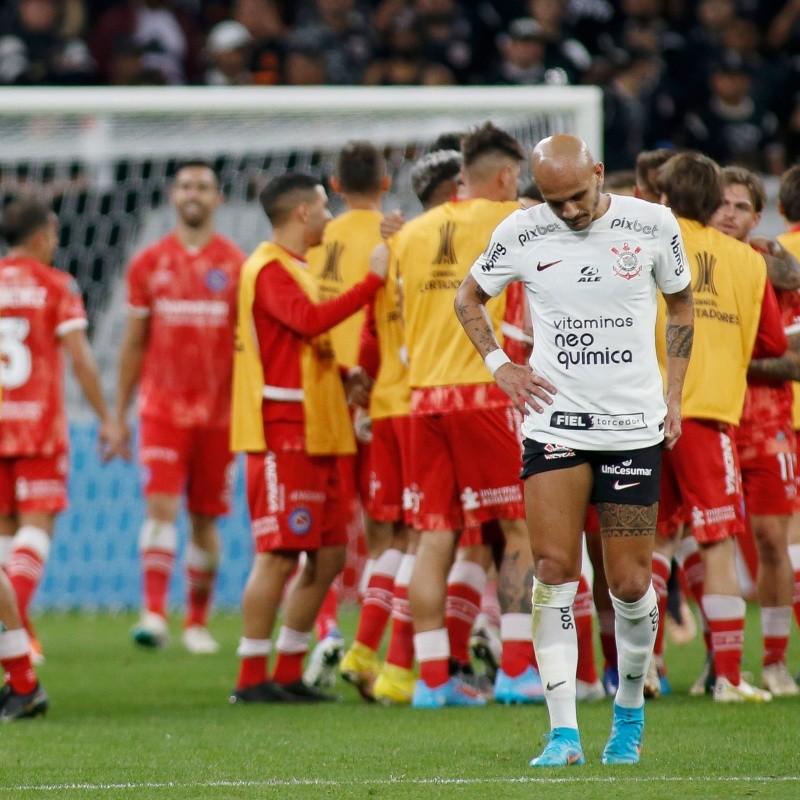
[592,295]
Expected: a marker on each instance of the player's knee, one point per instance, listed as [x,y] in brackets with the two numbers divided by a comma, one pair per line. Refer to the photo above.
[629,587]
[554,569]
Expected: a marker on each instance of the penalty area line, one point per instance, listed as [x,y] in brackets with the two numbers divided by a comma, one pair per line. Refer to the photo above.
[395,781]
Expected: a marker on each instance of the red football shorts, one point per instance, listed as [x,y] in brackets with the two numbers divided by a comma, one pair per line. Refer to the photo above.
[33,483]
[701,483]
[465,468]
[768,473]
[195,460]
[354,472]
[295,500]
[388,496]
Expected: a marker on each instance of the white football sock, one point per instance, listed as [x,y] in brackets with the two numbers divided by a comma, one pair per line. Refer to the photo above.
[635,630]
[555,642]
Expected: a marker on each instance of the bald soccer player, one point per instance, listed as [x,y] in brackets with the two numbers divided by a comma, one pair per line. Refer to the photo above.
[595,415]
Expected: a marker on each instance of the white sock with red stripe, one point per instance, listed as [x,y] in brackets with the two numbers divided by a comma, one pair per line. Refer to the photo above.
[465,585]
[377,603]
[157,544]
[776,624]
[29,551]
[725,615]
[15,659]
[794,556]
[433,653]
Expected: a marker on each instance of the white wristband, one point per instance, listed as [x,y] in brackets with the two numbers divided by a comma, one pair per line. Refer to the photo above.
[496,359]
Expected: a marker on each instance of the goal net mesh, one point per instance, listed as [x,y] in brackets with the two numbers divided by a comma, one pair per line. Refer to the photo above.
[106,163]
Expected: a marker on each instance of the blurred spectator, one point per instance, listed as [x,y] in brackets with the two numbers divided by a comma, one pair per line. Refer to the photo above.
[126,66]
[404,62]
[561,45]
[34,50]
[626,108]
[447,36]
[741,39]
[784,32]
[263,20]
[577,20]
[228,47]
[305,68]
[523,51]
[620,181]
[171,39]
[705,45]
[732,127]
[338,32]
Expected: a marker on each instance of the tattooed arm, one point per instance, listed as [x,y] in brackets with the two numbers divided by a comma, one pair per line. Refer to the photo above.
[680,332]
[783,368]
[783,269]
[519,382]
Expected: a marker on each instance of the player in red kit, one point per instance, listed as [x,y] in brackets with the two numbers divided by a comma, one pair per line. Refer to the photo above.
[41,314]
[291,417]
[178,347]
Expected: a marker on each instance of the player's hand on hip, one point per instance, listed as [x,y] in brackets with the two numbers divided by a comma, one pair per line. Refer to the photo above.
[526,389]
[379,261]
[672,427]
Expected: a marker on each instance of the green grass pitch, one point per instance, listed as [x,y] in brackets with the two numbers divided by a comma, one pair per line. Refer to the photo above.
[149,725]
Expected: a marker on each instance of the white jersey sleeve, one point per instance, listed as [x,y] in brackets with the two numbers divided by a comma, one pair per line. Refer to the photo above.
[499,263]
[671,267]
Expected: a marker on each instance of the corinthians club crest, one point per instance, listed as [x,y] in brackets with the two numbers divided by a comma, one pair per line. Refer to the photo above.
[627,264]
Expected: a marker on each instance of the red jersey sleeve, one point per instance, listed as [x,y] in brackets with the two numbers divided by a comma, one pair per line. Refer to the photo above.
[282,298]
[70,313]
[771,340]
[369,354]
[139,299]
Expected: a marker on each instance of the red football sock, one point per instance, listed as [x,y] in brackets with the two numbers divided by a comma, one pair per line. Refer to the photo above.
[794,555]
[517,636]
[288,667]
[328,616]
[29,552]
[608,641]
[401,637]
[252,671]
[583,609]
[661,571]
[201,572]
[725,616]
[464,589]
[377,604]
[776,624]
[156,571]
[433,654]
[16,661]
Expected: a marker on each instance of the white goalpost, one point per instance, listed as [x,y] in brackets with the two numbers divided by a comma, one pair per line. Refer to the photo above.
[105,157]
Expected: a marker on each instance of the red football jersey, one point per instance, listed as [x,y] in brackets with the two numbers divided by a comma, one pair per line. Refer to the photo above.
[190,298]
[38,305]
[768,404]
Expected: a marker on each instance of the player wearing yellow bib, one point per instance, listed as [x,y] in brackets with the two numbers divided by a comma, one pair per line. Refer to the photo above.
[454,485]
[789,206]
[338,263]
[701,479]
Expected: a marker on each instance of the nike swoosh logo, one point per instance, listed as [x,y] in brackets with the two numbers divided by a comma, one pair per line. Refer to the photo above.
[551,686]
[618,485]
[541,266]
[634,677]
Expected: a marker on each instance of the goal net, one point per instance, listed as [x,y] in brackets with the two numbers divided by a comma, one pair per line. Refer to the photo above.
[105,158]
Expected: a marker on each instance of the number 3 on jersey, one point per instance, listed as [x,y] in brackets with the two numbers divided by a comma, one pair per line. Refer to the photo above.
[15,356]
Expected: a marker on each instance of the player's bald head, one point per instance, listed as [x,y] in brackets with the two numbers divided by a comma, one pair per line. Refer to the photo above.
[561,160]
[569,179]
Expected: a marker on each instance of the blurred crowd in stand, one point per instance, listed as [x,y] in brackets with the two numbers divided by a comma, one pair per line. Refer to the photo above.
[721,76]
